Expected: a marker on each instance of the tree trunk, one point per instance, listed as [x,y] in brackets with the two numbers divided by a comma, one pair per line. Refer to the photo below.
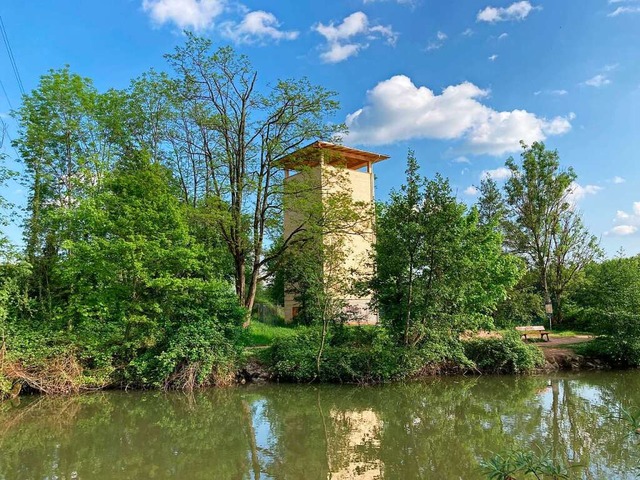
[409,302]
[250,298]
[325,328]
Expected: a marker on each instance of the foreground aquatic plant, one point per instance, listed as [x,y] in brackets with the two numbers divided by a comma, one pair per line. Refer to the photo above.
[632,419]
[520,464]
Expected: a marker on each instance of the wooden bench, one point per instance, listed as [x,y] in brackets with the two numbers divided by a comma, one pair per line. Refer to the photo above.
[524,331]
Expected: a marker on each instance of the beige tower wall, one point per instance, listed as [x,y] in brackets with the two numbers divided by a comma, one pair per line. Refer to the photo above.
[358,244]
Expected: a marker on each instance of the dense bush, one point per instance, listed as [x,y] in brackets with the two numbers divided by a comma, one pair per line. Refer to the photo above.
[201,324]
[353,355]
[506,354]
[523,306]
[619,342]
[362,355]
[609,304]
[135,300]
[195,341]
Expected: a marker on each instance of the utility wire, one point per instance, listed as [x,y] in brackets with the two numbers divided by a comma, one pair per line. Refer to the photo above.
[5,130]
[12,59]
[5,94]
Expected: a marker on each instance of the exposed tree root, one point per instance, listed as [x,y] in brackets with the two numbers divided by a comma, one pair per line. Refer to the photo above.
[58,375]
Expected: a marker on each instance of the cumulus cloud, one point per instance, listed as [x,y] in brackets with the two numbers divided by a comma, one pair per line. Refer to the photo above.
[515,11]
[624,230]
[597,81]
[500,173]
[618,180]
[493,57]
[257,26]
[396,110]
[349,37]
[626,223]
[471,190]
[577,192]
[191,14]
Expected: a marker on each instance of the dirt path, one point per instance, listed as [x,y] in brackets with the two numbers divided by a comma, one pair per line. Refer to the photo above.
[555,351]
[556,341]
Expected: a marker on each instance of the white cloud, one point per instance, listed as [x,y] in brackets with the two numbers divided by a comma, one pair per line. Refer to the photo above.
[626,223]
[468,32]
[618,180]
[352,25]
[257,26]
[624,230]
[555,93]
[396,109]
[438,42]
[500,173]
[471,190]
[515,11]
[337,53]
[597,81]
[349,37]
[493,57]
[461,159]
[577,192]
[503,36]
[193,14]
[623,10]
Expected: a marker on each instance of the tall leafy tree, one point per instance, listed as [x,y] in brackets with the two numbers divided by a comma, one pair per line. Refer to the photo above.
[438,267]
[65,154]
[138,286]
[239,131]
[544,226]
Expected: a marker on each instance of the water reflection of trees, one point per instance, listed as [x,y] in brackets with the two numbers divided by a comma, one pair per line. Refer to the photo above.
[434,429]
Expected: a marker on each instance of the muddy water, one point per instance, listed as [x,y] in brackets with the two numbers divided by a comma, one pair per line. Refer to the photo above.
[437,429]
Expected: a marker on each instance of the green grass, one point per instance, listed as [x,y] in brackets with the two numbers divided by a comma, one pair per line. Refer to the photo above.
[567,333]
[260,334]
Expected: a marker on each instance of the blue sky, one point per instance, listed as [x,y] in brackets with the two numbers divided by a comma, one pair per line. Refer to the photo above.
[459,84]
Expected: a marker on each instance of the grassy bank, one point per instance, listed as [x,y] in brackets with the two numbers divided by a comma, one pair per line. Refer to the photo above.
[261,334]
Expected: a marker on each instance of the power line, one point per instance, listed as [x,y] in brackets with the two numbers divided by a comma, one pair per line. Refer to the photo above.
[5,94]
[4,132]
[12,59]
[16,73]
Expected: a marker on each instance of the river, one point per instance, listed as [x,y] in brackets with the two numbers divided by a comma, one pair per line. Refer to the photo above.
[434,429]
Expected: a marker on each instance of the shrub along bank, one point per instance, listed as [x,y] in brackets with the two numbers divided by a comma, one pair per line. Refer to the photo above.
[369,355]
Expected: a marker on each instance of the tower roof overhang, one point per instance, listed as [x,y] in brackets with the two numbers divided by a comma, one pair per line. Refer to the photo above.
[330,154]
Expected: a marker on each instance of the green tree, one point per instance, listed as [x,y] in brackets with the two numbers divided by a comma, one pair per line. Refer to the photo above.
[609,303]
[240,131]
[139,291]
[544,227]
[437,266]
[65,154]
[491,204]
